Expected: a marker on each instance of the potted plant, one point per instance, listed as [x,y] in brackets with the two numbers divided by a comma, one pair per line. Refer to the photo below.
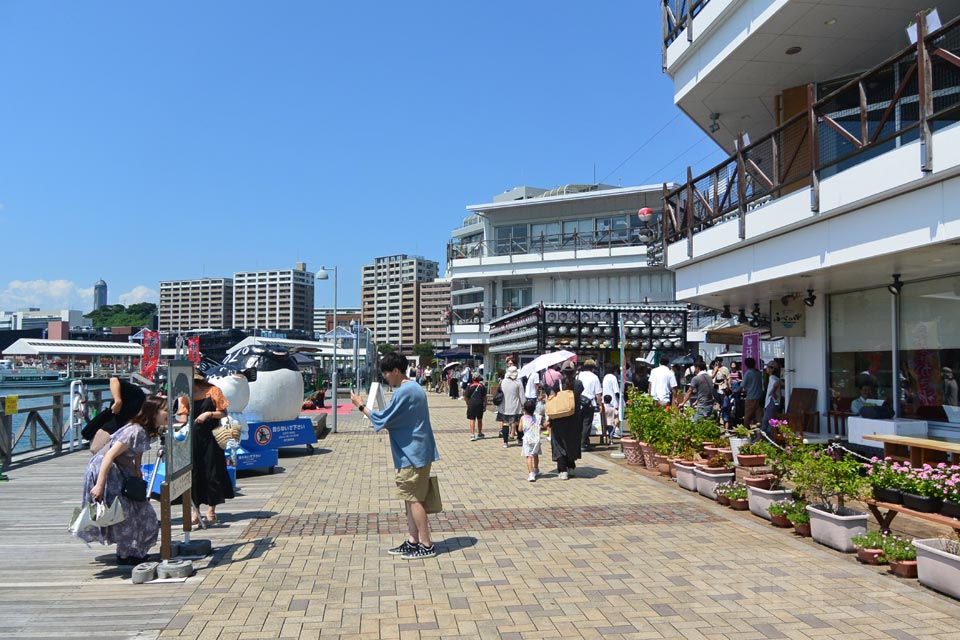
[951,494]
[642,414]
[830,478]
[760,497]
[902,555]
[740,438]
[778,513]
[799,517]
[720,491]
[870,547]
[752,455]
[685,467]
[938,564]
[712,473]
[886,480]
[737,494]
[923,489]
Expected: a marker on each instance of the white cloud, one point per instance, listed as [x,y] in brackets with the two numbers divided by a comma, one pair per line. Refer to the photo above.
[140,293]
[46,295]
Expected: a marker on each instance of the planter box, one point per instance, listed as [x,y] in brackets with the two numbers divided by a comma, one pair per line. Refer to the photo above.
[745,460]
[835,531]
[685,476]
[892,496]
[761,499]
[950,509]
[707,482]
[922,504]
[736,443]
[936,568]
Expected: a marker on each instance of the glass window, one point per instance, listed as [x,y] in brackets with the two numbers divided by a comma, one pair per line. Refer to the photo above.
[861,351]
[930,350]
[517,294]
[511,239]
[545,235]
[613,229]
[583,229]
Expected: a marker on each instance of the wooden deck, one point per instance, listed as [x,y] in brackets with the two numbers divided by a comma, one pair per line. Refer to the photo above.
[53,586]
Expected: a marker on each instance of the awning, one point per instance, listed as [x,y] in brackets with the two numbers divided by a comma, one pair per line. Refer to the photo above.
[455,355]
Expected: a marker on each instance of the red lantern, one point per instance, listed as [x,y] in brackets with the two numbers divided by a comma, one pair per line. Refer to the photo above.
[645,214]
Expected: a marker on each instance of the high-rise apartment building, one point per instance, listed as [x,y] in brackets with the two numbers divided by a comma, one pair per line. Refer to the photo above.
[189,305]
[435,312]
[390,302]
[274,300]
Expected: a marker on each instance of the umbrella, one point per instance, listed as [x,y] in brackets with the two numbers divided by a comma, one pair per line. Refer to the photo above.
[546,360]
[729,354]
[452,365]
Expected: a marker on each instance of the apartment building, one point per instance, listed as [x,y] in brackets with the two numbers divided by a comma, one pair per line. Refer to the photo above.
[274,300]
[435,312]
[832,221]
[573,245]
[390,303]
[189,305]
[323,318]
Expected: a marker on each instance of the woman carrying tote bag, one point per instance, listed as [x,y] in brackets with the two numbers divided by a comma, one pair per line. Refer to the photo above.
[565,433]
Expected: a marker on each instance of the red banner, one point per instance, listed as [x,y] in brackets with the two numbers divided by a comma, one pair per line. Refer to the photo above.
[193,350]
[151,354]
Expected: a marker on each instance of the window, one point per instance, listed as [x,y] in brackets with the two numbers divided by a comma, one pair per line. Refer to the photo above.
[511,239]
[517,294]
[545,236]
[612,229]
[583,229]
[861,346]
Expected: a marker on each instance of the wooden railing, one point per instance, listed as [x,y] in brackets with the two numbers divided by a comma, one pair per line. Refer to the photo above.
[903,99]
[678,15]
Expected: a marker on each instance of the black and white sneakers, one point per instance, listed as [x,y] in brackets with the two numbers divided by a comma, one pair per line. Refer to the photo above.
[421,552]
[403,549]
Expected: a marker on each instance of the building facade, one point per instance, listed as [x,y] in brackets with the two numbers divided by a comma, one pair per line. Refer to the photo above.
[578,244]
[832,220]
[435,312]
[274,300]
[323,318]
[390,298]
[190,305]
[34,318]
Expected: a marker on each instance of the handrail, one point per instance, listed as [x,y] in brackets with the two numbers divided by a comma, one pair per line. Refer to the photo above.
[576,241]
[840,128]
[678,18]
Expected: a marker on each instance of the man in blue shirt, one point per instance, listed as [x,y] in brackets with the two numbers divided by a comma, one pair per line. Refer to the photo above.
[407,421]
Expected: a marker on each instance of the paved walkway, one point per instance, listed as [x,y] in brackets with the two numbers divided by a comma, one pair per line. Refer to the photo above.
[612,553]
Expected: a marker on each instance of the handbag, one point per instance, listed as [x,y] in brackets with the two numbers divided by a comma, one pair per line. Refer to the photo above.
[96,514]
[498,397]
[227,431]
[134,488]
[433,503]
[561,405]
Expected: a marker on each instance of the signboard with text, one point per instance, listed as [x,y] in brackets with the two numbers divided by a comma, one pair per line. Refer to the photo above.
[751,347]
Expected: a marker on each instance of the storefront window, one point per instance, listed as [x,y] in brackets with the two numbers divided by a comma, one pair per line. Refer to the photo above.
[930,350]
[861,339]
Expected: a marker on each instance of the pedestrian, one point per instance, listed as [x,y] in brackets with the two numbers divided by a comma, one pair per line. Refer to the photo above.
[466,376]
[414,449]
[771,403]
[532,386]
[662,383]
[591,398]
[611,387]
[727,408]
[752,390]
[566,433]
[531,440]
[453,383]
[210,481]
[127,400]
[103,482]
[612,415]
[511,408]
[701,391]
[475,396]
[735,376]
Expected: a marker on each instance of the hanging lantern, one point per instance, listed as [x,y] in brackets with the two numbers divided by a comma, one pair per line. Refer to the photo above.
[645,215]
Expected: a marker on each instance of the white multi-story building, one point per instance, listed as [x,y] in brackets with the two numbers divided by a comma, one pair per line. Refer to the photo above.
[579,244]
[839,193]
[35,318]
[274,300]
[435,312]
[391,298]
[189,305]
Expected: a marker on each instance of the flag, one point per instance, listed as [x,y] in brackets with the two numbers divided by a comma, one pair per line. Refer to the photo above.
[151,354]
[193,350]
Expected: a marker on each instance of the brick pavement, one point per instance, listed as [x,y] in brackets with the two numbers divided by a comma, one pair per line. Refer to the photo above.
[610,553]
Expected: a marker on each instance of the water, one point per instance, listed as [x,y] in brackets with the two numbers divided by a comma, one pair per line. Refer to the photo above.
[45,399]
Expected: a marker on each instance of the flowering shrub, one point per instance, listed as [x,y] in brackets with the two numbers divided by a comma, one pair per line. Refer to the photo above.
[899,549]
[941,481]
[737,491]
[870,540]
[795,510]
[723,488]
[828,478]
[780,507]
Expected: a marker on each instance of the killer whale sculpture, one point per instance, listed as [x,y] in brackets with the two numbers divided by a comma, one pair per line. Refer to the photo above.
[276,390]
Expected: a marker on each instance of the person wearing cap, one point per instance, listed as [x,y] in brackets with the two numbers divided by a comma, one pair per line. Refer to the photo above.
[511,408]
[591,398]
[566,433]
[475,396]
[949,388]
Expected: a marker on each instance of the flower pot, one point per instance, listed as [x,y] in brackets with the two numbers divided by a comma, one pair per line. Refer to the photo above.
[869,556]
[714,470]
[648,455]
[950,509]
[937,568]
[723,500]
[923,504]
[884,494]
[740,505]
[663,466]
[727,453]
[709,452]
[673,467]
[780,521]
[750,460]
[904,568]
[760,482]
[707,482]
[761,499]
[835,531]
[802,529]
[736,443]
[685,475]
[631,448]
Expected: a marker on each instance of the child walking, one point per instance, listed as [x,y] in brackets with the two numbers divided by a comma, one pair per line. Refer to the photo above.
[531,440]
[612,417]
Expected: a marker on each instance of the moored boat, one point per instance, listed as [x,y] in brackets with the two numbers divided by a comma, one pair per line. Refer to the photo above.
[31,377]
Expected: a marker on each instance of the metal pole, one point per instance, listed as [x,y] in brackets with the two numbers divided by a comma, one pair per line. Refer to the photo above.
[356,358]
[333,377]
[620,455]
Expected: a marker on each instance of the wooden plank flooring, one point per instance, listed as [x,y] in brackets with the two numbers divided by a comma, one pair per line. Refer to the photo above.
[54,586]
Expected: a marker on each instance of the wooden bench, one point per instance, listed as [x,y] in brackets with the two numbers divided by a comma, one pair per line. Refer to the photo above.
[884,519]
[918,451]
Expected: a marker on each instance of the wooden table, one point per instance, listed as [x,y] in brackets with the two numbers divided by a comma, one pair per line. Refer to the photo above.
[918,451]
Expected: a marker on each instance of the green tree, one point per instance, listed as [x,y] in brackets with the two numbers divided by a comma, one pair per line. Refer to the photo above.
[385,348]
[423,349]
[116,315]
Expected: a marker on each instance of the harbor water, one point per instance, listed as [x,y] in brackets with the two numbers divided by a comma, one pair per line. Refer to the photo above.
[44,397]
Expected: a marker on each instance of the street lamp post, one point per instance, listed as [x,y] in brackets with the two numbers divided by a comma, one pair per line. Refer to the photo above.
[322,275]
[355,330]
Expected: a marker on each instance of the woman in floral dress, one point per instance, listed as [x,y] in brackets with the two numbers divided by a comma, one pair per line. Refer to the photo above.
[120,459]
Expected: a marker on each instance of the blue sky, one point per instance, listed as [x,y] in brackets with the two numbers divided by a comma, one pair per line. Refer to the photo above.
[148,141]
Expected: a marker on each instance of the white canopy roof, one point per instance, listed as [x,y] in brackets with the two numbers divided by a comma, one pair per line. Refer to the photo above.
[40,347]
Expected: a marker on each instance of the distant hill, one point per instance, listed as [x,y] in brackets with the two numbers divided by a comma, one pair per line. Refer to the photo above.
[117,315]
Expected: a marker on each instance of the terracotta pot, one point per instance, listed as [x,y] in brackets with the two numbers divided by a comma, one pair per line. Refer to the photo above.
[751,461]
[707,469]
[740,505]
[759,482]
[869,556]
[724,500]
[904,568]
[802,529]
[780,521]
[648,455]
[631,448]
[663,465]
[709,452]
[728,453]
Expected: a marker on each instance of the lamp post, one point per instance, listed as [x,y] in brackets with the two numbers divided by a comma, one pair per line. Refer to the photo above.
[322,275]
[355,330]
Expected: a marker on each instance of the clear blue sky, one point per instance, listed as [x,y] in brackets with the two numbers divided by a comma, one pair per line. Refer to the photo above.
[149,141]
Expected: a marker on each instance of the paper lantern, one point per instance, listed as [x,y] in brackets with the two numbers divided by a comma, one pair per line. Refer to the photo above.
[645,214]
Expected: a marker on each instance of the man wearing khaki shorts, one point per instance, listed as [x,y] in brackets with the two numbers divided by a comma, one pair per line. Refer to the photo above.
[414,449]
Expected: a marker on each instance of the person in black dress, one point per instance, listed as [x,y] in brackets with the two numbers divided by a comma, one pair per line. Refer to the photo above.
[476,397]
[565,433]
[127,400]
[210,480]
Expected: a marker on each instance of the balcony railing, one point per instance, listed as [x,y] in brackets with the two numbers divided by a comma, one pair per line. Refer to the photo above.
[635,237]
[903,99]
[678,15]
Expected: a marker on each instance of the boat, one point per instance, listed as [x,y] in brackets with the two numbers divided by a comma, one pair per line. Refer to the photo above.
[31,377]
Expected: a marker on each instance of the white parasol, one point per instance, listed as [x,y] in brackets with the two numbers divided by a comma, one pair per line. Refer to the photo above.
[452,365]
[546,360]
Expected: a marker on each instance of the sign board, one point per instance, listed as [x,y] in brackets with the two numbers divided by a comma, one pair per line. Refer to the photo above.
[787,317]
[273,435]
[179,439]
[751,349]
[11,405]
[375,399]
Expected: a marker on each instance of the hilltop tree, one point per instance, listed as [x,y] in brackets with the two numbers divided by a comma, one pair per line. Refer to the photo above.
[116,315]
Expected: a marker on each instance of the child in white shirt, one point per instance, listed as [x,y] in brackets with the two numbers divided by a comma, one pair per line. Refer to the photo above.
[531,440]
